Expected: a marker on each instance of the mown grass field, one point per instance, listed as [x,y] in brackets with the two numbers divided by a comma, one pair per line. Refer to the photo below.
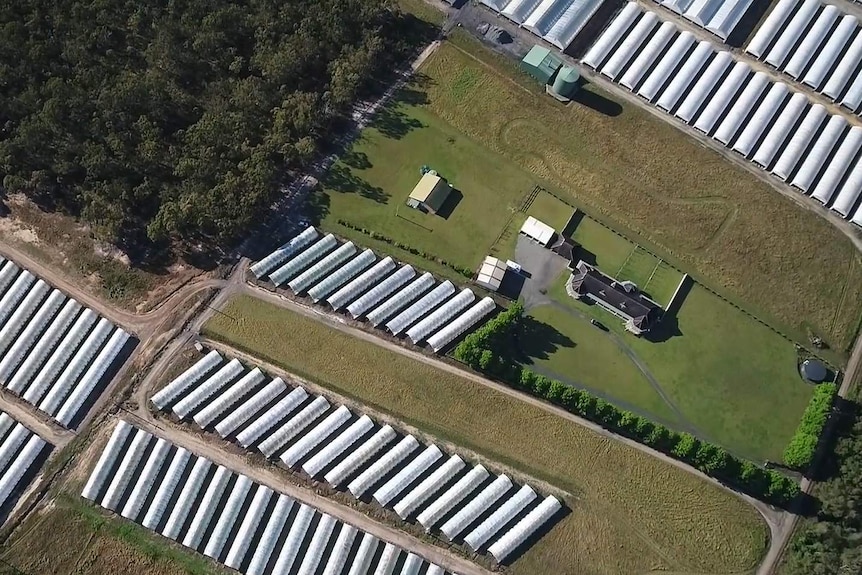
[73,538]
[733,378]
[631,512]
[369,186]
[670,194]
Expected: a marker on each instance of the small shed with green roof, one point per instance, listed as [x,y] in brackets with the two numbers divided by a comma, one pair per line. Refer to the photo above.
[541,64]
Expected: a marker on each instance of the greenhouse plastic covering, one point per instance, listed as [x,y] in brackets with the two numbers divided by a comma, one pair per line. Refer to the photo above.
[359,284]
[272,416]
[350,464]
[144,482]
[228,397]
[425,304]
[293,426]
[208,388]
[244,412]
[338,445]
[314,551]
[780,130]
[439,317]
[228,517]
[340,550]
[505,513]
[531,522]
[188,378]
[401,299]
[313,274]
[476,507]
[315,436]
[429,486]
[380,291]
[342,275]
[602,47]
[452,497]
[303,259]
[364,481]
[407,475]
[461,324]
[281,255]
[248,527]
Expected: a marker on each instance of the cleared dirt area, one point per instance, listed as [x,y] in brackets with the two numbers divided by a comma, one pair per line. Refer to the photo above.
[634,513]
[60,241]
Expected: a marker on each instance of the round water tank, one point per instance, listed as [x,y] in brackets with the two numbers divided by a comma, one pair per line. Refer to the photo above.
[813,370]
[566,82]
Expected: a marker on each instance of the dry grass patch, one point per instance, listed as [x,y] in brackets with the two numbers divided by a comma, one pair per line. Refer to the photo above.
[633,512]
[783,262]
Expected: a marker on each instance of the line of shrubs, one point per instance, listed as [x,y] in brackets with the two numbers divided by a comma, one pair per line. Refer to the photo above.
[466,272]
[488,349]
[803,444]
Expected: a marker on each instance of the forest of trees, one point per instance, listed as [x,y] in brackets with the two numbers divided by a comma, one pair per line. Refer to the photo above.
[830,543]
[172,122]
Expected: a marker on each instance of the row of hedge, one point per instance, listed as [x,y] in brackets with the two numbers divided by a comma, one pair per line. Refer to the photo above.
[489,349]
[803,444]
[466,272]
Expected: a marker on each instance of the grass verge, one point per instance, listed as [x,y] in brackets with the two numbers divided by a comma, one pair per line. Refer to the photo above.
[633,513]
[73,537]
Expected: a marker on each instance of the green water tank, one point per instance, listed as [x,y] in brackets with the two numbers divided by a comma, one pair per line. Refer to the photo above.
[566,82]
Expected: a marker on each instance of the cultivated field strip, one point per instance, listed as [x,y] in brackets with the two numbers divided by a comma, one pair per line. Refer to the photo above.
[229,518]
[54,353]
[22,453]
[817,45]
[386,295]
[766,122]
[350,451]
[555,21]
[717,16]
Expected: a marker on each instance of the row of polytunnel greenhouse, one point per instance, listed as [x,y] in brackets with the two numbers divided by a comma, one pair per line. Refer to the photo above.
[22,453]
[54,353]
[388,296]
[351,452]
[228,517]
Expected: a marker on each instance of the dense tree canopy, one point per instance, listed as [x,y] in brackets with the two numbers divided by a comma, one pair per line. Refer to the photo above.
[831,542]
[175,119]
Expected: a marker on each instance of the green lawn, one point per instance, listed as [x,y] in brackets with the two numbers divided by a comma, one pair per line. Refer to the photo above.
[368,187]
[572,350]
[730,376]
[551,210]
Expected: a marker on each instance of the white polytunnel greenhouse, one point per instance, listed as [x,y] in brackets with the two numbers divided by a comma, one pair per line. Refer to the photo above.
[793,151]
[365,480]
[505,513]
[21,457]
[290,550]
[229,397]
[316,546]
[271,417]
[441,316]
[359,284]
[243,414]
[401,299]
[248,527]
[432,514]
[161,498]
[531,522]
[478,505]
[228,516]
[408,474]
[208,388]
[303,259]
[340,550]
[279,256]
[203,513]
[293,426]
[144,481]
[418,309]
[685,76]
[307,278]
[356,459]
[315,436]
[342,275]
[429,486]
[265,546]
[780,130]
[186,380]
[461,324]
[337,446]
[378,292]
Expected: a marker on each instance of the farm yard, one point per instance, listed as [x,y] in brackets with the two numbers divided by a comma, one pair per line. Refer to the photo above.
[672,196]
[638,523]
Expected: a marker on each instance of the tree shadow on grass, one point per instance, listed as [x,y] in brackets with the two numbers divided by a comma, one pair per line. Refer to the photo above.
[317,207]
[538,341]
[341,178]
[394,123]
[356,160]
